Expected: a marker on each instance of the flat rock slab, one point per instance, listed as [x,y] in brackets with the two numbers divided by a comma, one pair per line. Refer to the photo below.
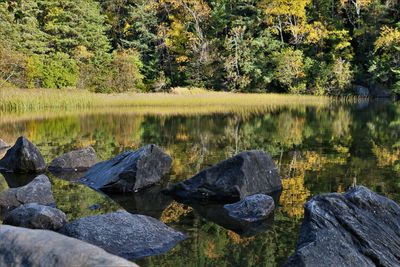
[21,247]
[124,234]
[251,209]
[248,173]
[37,191]
[74,161]
[357,228]
[23,157]
[129,171]
[36,216]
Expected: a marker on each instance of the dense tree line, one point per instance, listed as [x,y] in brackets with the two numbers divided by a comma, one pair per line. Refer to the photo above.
[304,46]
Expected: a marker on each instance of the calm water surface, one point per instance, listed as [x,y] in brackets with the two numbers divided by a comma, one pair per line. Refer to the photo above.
[317,150]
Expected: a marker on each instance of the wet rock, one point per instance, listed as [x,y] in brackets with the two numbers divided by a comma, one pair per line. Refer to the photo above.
[357,228]
[251,209]
[25,247]
[23,157]
[36,216]
[124,234]
[129,171]
[248,173]
[37,191]
[77,161]
[3,144]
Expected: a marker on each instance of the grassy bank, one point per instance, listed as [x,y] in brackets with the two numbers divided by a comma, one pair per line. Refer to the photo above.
[20,101]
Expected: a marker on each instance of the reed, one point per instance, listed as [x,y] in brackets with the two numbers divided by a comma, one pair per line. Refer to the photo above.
[20,101]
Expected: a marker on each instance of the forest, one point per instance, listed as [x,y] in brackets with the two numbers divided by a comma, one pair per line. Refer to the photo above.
[319,47]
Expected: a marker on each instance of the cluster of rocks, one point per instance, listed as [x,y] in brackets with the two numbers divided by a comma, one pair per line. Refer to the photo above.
[357,228]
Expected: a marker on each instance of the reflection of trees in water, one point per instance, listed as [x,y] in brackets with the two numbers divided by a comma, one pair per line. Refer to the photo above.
[174,212]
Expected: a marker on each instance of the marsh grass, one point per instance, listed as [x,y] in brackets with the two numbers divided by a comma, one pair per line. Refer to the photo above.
[19,100]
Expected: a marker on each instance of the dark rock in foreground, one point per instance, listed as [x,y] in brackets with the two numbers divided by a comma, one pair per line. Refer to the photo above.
[3,144]
[357,228]
[77,161]
[37,191]
[124,234]
[251,209]
[23,157]
[129,171]
[248,173]
[21,247]
[36,216]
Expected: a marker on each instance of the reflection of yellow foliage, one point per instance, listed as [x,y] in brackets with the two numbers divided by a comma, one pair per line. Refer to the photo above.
[237,239]
[294,195]
[385,156]
[174,212]
[182,137]
[340,189]
[3,184]
[211,252]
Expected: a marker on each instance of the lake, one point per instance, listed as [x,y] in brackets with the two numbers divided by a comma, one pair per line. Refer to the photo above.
[317,149]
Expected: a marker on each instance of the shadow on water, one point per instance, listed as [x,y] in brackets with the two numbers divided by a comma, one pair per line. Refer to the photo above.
[151,201]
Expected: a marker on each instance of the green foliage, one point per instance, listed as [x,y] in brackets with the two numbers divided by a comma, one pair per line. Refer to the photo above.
[315,47]
[290,70]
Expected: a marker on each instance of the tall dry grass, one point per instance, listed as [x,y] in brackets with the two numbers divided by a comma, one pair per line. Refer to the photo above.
[19,100]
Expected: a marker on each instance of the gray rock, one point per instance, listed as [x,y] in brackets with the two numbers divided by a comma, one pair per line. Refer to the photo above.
[36,216]
[77,160]
[357,228]
[3,144]
[361,91]
[248,173]
[124,234]
[20,247]
[252,209]
[129,171]
[37,191]
[23,157]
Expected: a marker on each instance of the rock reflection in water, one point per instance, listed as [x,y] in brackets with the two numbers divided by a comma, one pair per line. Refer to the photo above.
[151,201]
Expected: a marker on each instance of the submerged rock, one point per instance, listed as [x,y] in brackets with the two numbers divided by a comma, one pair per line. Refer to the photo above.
[37,191]
[36,216]
[251,209]
[129,171]
[124,234]
[23,157]
[357,228]
[77,160]
[26,247]
[3,144]
[248,173]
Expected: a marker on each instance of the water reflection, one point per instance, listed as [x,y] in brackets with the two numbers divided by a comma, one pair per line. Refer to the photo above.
[318,149]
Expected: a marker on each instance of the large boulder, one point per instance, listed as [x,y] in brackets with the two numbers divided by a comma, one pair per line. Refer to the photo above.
[357,228]
[37,191]
[77,160]
[3,144]
[124,234]
[36,216]
[21,247]
[129,171]
[251,209]
[248,173]
[23,157]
